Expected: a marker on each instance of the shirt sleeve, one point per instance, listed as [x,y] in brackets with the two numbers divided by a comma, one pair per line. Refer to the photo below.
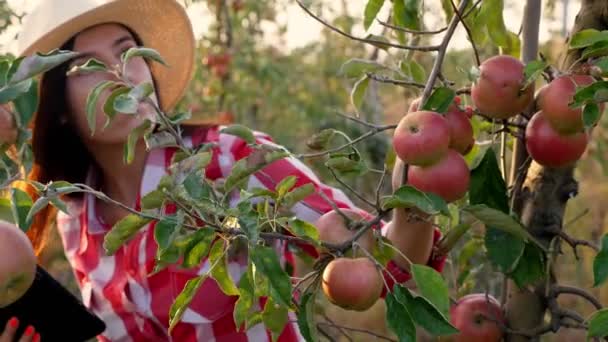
[313,206]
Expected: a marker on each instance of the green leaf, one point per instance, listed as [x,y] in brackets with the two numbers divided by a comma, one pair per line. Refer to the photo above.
[248,221]
[410,197]
[587,93]
[243,305]
[6,212]
[240,171]
[424,313]
[497,31]
[356,67]
[321,140]
[596,50]
[303,229]
[142,52]
[383,251]
[602,63]
[38,63]
[126,104]
[503,249]
[196,188]
[487,185]
[190,165]
[108,106]
[285,185]
[266,261]
[59,204]
[598,324]
[274,317]
[134,136]
[123,231]
[440,100]
[153,200]
[306,318]
[90,66]
[11,92]
[346,166]
[399,319]
[142,91]
[240,131]
[357,95]
[40,204]
[497,219]
[91,106]
[406,13]
[21,204]
[586,38]
[164,233]
[600,264]
[532,71]
[26,104]
[183,300]
[531,266]
[219,271]
[591,115]
[432,286]
[371,11]
[416,71]
[198,248]
[160,139]
[298,194]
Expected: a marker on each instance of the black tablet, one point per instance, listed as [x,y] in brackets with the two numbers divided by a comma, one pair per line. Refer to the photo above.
[56,313]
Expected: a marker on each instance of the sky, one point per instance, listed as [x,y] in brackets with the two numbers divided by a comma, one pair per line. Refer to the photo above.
[302,29]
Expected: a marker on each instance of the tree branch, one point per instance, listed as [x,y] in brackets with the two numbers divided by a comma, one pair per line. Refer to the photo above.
[556,290]
[441,53]
[364,40]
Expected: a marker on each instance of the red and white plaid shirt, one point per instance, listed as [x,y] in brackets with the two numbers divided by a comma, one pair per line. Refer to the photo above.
[135,306]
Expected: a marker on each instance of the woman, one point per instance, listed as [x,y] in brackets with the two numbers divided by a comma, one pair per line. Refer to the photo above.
[133,304]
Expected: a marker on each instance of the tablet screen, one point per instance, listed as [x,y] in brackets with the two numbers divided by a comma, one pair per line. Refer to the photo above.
[55,313]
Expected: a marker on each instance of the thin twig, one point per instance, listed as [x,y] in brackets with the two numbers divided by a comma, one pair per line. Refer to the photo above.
[364,40]
[406,30]
[341,147]
[350,188]
[334,325]
[441,54]
[466,27]
[556,290]
[388,80]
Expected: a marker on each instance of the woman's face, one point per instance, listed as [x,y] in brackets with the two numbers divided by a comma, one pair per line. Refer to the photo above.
[105,43]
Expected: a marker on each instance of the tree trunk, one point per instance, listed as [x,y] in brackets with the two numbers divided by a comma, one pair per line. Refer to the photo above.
[542,201]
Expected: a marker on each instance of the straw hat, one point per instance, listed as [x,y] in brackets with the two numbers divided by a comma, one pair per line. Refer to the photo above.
[162,25]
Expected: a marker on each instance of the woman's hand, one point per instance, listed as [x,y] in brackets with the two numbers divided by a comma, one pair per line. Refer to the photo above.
[8,130]
[8,334]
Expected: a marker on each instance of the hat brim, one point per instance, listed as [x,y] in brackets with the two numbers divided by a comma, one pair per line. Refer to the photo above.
[161,25]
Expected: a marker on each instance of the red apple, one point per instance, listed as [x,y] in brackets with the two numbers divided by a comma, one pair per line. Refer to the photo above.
[333,229]
[498,91]
[421,138]
[548,148]
[449,178]
[461,130]
[352,284]
[554,98]
[17,264]
[476,317]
